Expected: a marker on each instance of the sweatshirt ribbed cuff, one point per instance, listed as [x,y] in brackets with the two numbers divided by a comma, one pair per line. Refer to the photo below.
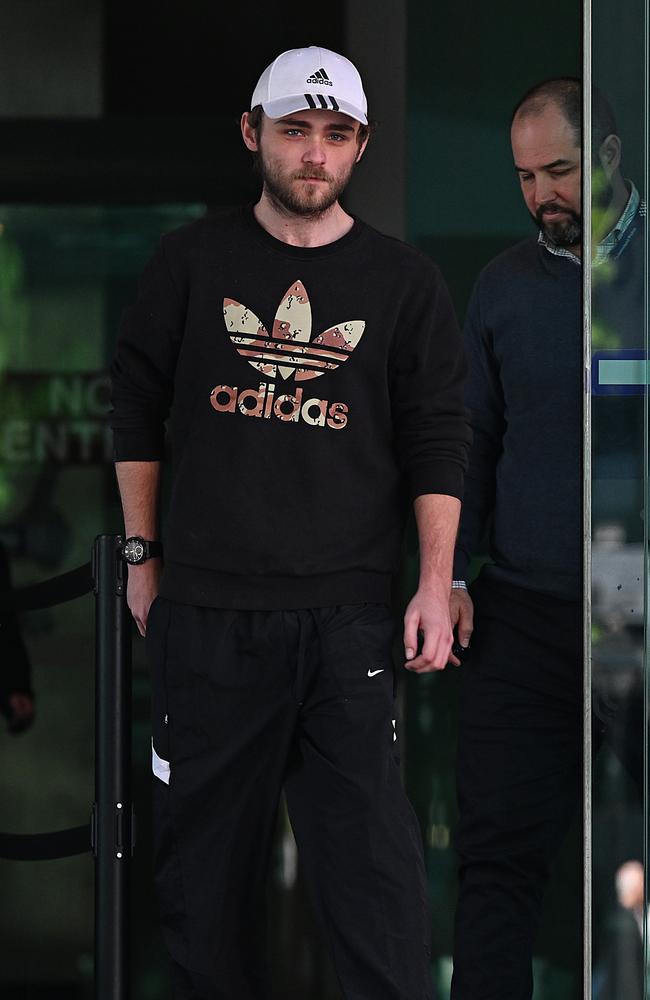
[461,564]
[442,477]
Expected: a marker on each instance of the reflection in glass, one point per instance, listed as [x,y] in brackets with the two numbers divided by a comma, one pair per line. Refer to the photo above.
[66,273]
[618,498]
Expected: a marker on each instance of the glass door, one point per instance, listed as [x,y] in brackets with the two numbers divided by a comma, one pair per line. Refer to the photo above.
[616,501]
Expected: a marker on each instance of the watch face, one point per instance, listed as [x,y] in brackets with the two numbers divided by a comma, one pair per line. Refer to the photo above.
[133,550]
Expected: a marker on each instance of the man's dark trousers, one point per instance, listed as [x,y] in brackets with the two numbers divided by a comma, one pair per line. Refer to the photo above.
[519,779]
[244,703]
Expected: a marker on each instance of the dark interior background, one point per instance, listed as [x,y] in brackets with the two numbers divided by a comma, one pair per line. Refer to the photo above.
[120,120]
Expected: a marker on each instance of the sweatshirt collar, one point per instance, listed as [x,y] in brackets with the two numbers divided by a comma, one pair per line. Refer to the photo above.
[302,253]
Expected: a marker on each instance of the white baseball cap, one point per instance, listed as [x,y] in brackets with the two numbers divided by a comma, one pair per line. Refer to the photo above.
[311,78]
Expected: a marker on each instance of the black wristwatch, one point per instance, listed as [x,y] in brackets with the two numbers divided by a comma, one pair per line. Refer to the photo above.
[137,550]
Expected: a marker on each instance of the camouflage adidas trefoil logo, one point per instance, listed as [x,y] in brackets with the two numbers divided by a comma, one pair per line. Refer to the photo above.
[288,352]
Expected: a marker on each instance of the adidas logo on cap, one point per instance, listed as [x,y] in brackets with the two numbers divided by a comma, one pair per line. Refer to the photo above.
[334,85]
[320,76]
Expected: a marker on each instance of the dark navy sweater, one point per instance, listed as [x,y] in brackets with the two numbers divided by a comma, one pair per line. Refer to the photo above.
[523,338]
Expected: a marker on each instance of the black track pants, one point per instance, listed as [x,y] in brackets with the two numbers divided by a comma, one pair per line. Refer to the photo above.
[244,703]
[518,772]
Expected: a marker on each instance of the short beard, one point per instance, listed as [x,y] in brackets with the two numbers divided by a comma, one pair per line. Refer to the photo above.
[564,233]
[288,200]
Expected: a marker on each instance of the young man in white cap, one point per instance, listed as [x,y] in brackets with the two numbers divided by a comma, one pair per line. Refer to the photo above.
[312,371]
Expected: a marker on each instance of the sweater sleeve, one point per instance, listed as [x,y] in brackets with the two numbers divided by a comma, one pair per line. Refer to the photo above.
[142,373]
[484,399]
[427,370]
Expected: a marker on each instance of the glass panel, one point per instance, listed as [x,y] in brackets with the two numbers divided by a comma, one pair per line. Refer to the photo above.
[619,502]
[66,273]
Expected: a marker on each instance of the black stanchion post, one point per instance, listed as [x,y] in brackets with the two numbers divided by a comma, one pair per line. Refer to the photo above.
[112,814]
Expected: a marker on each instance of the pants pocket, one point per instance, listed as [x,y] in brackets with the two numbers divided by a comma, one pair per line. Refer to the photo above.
[156,646]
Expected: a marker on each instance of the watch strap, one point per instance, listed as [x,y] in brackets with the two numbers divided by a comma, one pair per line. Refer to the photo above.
[152,549]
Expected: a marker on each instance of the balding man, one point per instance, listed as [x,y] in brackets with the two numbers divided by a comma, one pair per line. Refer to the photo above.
[520,733]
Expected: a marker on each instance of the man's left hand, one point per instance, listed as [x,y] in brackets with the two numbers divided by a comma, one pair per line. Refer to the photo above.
[428,613]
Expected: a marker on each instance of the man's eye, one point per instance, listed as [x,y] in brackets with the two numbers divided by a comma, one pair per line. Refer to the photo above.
[524,178]
[293,131]
[337,136]
[560,173]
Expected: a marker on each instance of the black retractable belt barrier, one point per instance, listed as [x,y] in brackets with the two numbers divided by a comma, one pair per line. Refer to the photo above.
[113,825]
[46,846]
[110,832]
[66,587]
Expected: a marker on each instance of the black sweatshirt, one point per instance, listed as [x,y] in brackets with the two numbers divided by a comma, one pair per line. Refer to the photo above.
[523,338]
[312,393]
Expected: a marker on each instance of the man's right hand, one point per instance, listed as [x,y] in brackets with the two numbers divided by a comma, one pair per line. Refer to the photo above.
[461,612]
[142,589]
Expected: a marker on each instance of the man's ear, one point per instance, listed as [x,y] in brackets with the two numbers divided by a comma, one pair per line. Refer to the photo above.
[609,155]
[249,134]
[362,149]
